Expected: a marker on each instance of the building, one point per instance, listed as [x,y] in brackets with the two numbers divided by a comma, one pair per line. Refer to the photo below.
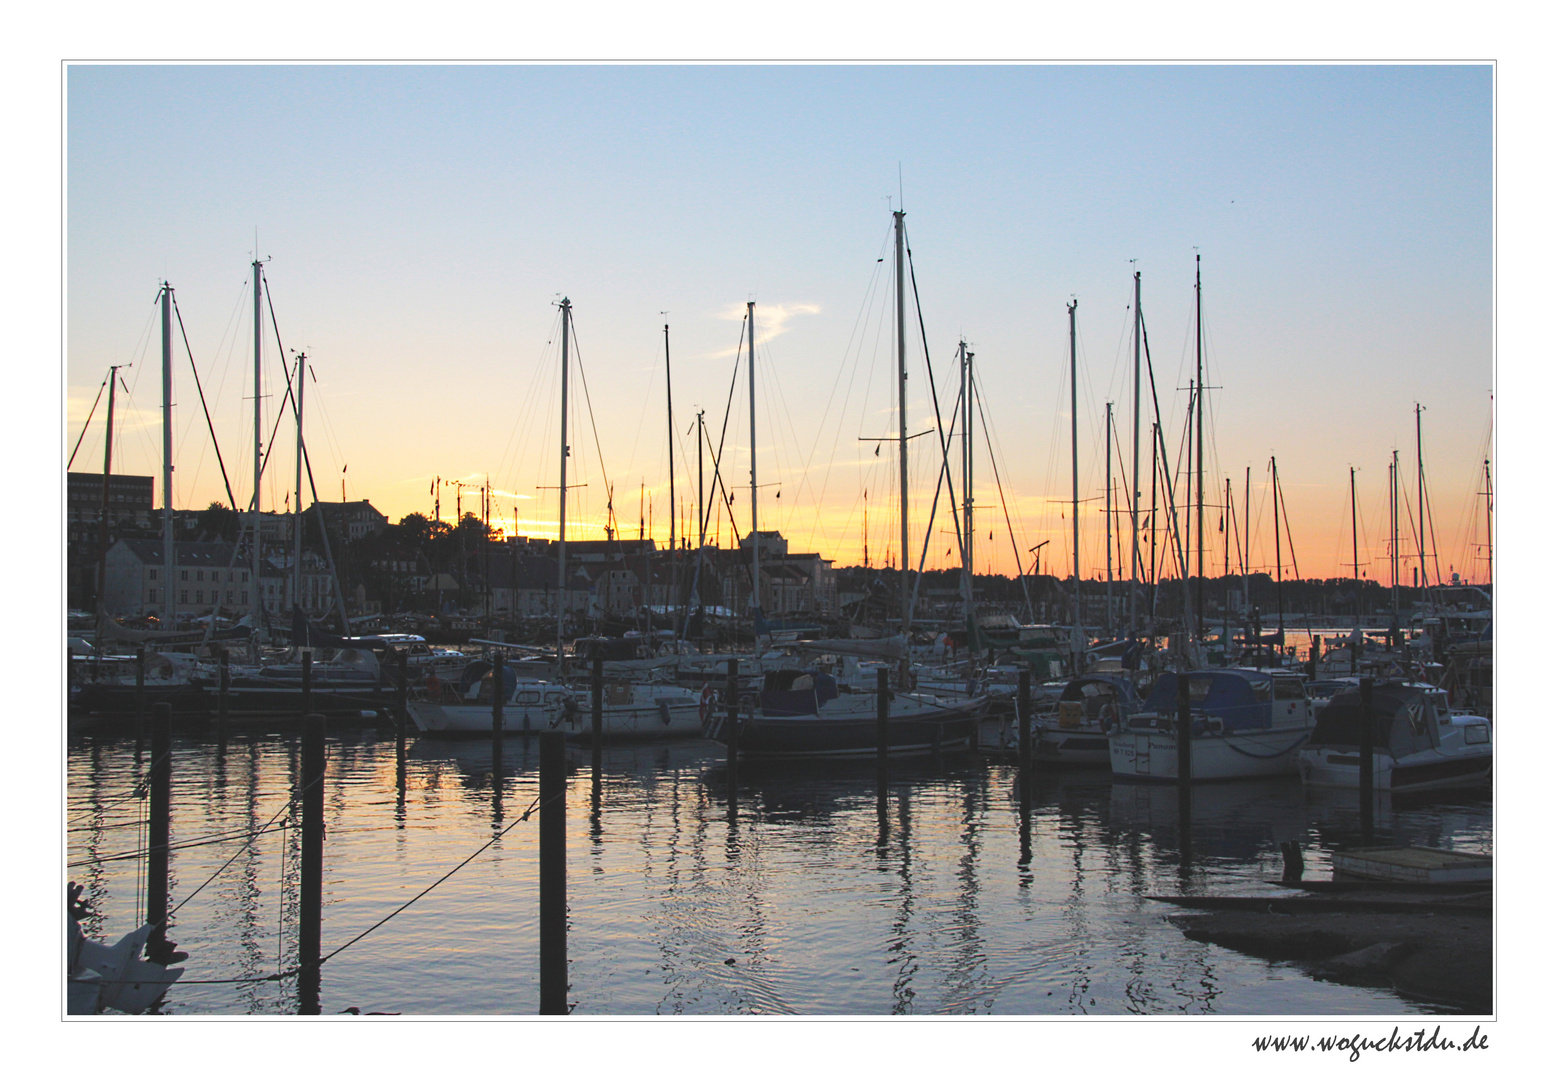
[349,521]
[129,503]
[207,578]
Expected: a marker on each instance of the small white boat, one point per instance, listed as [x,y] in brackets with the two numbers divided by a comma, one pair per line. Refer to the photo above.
[1245,723]
[1077,730]
[1420,744]
[628,710]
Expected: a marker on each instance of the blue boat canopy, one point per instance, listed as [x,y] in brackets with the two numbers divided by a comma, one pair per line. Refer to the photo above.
[1241,699]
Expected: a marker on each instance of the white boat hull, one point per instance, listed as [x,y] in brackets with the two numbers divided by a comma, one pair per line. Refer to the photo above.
[1137,754]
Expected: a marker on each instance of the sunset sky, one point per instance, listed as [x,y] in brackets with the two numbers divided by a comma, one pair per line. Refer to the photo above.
[421,223]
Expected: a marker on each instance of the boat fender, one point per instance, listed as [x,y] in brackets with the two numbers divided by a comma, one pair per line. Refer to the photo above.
[1107,717]
[706,702]
[431,684]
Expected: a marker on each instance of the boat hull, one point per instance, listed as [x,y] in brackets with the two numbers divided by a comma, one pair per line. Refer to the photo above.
[1136,754]
[914,728]
[1330,767]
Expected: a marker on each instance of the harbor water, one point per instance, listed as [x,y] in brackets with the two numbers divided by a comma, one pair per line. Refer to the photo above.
[782,890]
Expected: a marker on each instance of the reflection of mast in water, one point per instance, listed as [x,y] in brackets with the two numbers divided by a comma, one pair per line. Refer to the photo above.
[970,978]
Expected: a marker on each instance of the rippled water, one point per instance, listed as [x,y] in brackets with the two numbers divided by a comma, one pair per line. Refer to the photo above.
[810,898]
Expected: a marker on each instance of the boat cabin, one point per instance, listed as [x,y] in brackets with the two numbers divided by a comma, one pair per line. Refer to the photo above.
[1228,700]
[796,693]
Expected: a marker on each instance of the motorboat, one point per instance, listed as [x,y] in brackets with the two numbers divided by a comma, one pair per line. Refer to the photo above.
[1420,744]
[632,710]
[1244,723]
[802,713]
[1077,730]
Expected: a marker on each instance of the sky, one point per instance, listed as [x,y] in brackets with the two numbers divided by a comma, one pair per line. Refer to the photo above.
[421,223]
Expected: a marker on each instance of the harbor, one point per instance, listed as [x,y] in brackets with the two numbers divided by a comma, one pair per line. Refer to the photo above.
[882,706]
[793,890]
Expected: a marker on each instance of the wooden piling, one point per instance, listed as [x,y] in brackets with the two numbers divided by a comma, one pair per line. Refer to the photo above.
[1316,653]
[498,695]
[402,689]
[307,683]
[311,799]
[158,811]
[1367,757]
[1294,861]
[554,944]
[1025,736]
[140,686]
[595,703]
[733,736]
[1183,729]
[882,728]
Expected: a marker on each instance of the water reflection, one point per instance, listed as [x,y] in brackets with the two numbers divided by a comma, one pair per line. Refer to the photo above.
[698,888]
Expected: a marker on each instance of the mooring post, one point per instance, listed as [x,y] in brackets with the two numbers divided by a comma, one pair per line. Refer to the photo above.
[554,885]
[733,735]
[1025,745]
[498,695]
[1367,757]
[158,827]
[1294,861]
[882,728]
[402,691]
[1316,652]
[1354,657]
[1183,729]
[595,704]
[224,677]
[311,799]
[307,683]
[140,686]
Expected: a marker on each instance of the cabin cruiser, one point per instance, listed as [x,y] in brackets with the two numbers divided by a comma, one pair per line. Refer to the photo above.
[1419,743]
[1245,723]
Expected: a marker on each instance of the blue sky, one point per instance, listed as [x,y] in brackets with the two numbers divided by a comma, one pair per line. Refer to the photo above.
[420,221]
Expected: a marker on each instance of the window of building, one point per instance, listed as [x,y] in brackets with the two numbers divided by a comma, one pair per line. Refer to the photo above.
[151,596]
[243,596]
[244,577]
[184,575]
[198,600]
[230,596]
[184,596]
[151,575]
[200,575]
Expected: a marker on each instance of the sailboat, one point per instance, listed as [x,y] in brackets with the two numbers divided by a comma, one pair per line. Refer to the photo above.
[803,712]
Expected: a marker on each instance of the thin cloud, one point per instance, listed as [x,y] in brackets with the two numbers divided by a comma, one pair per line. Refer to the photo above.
[772,320]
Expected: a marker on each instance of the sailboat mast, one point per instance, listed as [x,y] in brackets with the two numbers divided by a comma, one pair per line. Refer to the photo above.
[1072,353]
[1489,519]
[1278,555]
[671,458]
[563,481]
[904,463]
[298,492]
[1354,533]
[1110,606]
[966,359]
[167,434]
[1245,563]
[255,609]
[1137,351]
[1199,451]
[753,468]
[1394,546]
[1153,526]
[1419,456]
[108,468]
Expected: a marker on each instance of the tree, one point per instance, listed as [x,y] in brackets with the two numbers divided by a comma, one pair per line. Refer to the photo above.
[218,522]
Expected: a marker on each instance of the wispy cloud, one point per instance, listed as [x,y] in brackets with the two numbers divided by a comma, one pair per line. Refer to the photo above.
[772,318]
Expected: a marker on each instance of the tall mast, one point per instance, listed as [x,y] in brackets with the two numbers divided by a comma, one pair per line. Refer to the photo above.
[255,609]
[1072,353]
[1153,527]
[1229,521]
[701,481]
[1278,555]
[1200,451]
[1137,349]
[1419,454]
[671,458]
[1394,546]
[1110,613]
[753,468]
[1245,563]
[108,468]
[563,481]
[904,463]
[298,492]
[1354,533]
[167,410]
[966,363]
[1489,520]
